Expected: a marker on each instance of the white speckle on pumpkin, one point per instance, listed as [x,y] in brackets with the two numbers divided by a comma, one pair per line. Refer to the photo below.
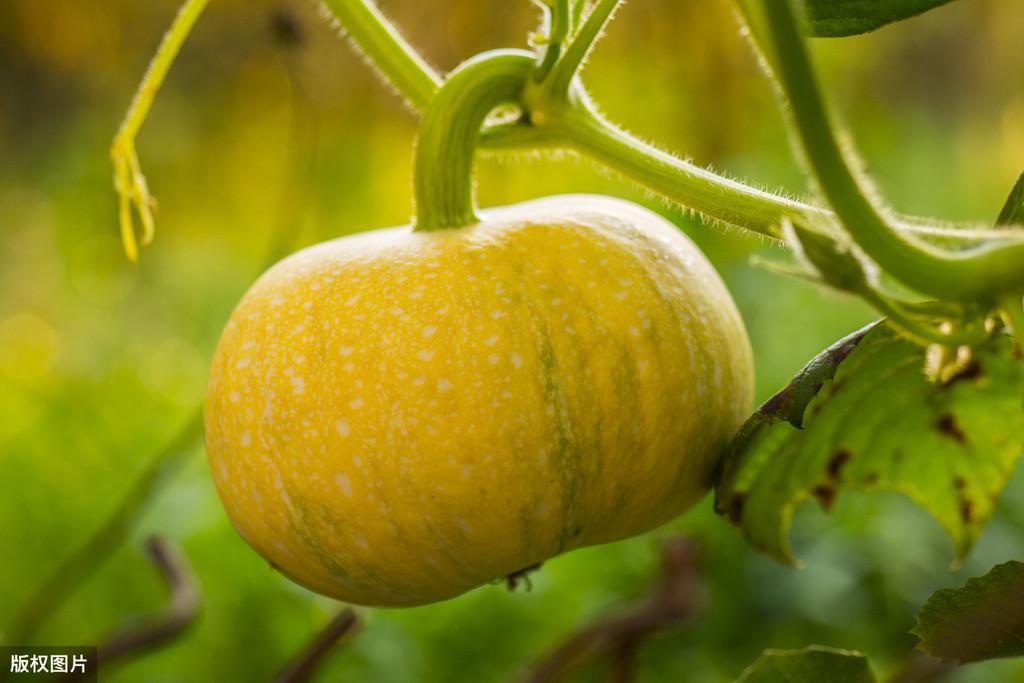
[298,385]
[425,355]
[444,385]
[492,340]
[345,350]
[246,438]
[344,483]
[348,367]
[516,359]
[357,402]
[492,359]
[242,363]
[429,330]
[342,427]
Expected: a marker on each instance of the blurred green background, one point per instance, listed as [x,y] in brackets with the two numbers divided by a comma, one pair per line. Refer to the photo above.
[269,124]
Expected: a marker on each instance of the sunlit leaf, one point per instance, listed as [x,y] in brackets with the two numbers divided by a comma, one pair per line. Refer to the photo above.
[982,620]
[814,664]
[836,18]
[1013,209]
[862,415]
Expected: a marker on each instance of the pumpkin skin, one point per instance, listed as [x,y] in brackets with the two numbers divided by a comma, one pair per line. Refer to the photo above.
[396,417]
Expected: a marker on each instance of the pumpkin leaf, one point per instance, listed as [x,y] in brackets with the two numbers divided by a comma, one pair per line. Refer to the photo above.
[814,664]
[862,415]
[1013,209]
[838,18]
[982,620]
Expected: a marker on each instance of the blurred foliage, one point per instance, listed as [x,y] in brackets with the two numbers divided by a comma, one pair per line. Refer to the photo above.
[269,124]
[981,620]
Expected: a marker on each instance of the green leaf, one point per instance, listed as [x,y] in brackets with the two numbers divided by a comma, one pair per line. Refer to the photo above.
[837,18]
[814,664]
[1013,209]
[982,620]
[862,415]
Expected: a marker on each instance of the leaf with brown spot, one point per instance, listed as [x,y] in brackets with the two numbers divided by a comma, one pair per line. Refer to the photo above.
[948,426]
[951,447]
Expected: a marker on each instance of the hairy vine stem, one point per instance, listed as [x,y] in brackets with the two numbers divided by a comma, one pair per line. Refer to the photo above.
[558,21]
[403,67]
[970,275]
[585,130]
[561,75]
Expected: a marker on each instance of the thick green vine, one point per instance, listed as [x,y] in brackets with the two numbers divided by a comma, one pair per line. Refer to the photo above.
[985,272]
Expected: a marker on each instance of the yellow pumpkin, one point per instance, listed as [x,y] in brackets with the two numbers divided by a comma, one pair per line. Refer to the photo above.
[397,417]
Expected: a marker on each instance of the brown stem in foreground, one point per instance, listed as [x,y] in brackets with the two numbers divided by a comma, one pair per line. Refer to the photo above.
[673,600]
[304,665]
[180,612]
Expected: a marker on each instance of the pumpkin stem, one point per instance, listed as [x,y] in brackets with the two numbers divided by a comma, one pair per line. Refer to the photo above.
[450,131]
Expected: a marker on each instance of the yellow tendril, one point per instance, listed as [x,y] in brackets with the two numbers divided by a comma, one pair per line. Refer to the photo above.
[128,179]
